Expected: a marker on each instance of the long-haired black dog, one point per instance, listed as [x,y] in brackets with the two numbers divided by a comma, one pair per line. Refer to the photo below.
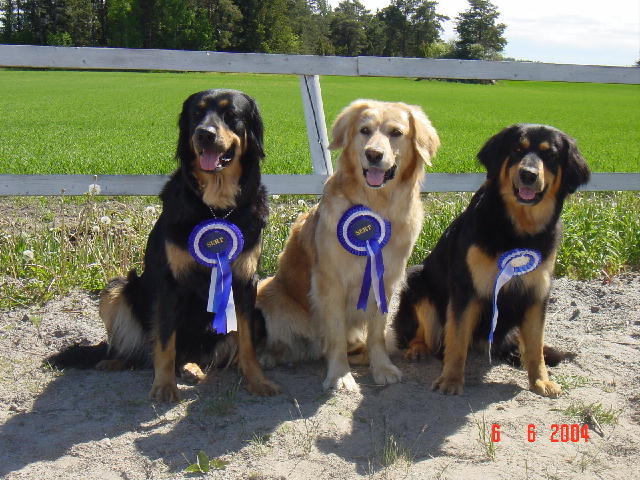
[160,317]
[447,301]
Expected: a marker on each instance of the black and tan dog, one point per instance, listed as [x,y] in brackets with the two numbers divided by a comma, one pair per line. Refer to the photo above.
[161,316]
[447,301]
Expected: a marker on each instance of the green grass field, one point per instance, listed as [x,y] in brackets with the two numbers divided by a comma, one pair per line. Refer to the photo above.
[125,122]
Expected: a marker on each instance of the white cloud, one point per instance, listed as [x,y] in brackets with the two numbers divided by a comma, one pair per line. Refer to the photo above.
[566,31]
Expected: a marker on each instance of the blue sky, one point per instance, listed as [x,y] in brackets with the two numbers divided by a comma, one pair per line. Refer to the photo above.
[584,32]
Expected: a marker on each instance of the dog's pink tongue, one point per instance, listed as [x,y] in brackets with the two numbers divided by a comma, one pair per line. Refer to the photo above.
[527,193]
[209,160]
[375,176]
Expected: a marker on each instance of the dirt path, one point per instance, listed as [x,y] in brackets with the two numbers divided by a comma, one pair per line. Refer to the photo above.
[88,424]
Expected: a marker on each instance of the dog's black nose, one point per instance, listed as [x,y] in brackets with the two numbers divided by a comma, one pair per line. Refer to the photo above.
[374,156]
[205,135]
[528,177]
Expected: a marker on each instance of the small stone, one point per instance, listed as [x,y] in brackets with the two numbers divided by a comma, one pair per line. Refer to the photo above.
[595,308]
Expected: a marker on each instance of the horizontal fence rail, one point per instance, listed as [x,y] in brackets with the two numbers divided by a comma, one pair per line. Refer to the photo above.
[308,67]
[89,58]
[50,185]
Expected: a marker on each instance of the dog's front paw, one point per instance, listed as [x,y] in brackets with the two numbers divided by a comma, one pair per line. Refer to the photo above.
[164,392]
[546,388]
[449,385]
[387,373]
[345,382]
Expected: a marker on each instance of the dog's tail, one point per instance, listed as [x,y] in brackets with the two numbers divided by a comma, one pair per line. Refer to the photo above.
[509,351]
[79,356]
[128,343]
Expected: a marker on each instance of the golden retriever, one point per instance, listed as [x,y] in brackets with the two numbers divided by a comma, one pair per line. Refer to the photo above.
[309,306]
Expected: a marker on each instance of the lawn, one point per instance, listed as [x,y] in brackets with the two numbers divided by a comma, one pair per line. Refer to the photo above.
[125,122]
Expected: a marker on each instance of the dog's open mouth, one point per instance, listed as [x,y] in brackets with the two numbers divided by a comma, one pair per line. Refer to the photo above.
[213,161]
[376,177]
[527,195]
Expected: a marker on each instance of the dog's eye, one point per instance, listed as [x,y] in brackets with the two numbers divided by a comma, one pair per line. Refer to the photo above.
[395,133]
[365,131]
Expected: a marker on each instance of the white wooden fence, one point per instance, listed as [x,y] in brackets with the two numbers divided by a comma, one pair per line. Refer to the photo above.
[308,67]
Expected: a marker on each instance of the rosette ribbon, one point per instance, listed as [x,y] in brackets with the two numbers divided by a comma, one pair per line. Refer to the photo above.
[215,244]
[363,232]
[512,263]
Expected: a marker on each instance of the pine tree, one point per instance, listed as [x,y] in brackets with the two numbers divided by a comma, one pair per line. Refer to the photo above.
[480,37]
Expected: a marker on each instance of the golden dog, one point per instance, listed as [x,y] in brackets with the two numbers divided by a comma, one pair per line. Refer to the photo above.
[309,306]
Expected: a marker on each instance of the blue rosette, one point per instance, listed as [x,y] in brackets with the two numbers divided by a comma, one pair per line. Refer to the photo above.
[363,232]
[215,244]
[515,262]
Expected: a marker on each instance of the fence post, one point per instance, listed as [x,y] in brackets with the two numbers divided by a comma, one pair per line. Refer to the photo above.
[316,126]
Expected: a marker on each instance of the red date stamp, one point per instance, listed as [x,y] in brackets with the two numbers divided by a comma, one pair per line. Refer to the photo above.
[563,432]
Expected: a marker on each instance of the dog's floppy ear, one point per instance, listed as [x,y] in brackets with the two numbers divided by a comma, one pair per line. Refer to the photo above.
[496,149]
[426,140]
[576,171]
[184,152]
[254,128]
[341,130]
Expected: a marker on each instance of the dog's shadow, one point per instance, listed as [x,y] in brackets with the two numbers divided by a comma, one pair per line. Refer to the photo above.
[409,422]
[79,408]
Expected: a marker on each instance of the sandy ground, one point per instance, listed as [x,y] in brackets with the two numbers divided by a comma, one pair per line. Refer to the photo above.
[89,424]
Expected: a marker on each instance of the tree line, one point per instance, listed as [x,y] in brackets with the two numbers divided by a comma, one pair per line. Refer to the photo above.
[405,28]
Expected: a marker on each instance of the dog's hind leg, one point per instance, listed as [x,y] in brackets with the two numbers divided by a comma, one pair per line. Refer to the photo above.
[128,342]
[291,334]
[532,352]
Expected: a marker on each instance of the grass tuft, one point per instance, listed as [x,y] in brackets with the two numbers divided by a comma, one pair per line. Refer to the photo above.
[485,439]
[592,414]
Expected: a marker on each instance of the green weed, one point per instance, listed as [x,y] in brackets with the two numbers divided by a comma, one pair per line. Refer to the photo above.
[204,464]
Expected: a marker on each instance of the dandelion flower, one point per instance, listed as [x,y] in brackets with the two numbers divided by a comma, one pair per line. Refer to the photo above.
[94,189]
[150,210]
[301,202]
[275,197]
[95,228]
[28,254]
[105,220]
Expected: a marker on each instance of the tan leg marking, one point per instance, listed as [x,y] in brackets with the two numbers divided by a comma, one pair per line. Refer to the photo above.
[422,345]
[257,383]
[164,388]
[531,346]
[457,338]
